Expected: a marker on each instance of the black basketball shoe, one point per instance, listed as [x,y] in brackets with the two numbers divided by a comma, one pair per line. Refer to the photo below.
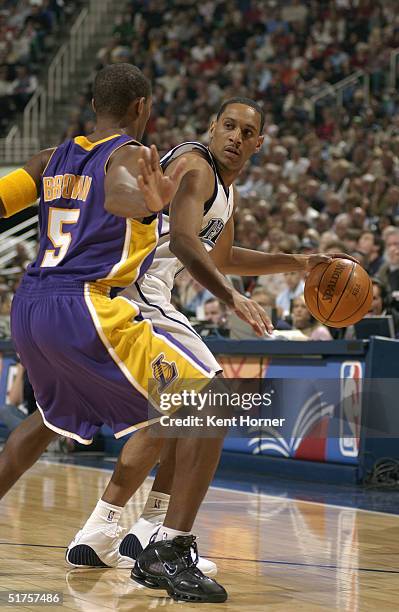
[168,564]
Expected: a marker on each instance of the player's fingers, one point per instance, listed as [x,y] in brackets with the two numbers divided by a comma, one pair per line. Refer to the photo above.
[154,158]
[266,321]
[253,318]
[144,188]
[262,319]
[344,256]
[245,315]
[145,155]
[144,170]
[315,260]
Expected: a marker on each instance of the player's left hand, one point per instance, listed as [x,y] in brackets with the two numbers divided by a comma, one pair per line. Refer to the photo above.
[157,189]
[314,260]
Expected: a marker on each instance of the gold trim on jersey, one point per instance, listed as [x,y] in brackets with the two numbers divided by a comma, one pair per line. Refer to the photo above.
[88,145]
[140,241]
[136,347]
[49,160]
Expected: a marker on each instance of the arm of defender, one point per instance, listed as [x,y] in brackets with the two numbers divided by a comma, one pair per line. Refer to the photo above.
[186,214]
[247,262]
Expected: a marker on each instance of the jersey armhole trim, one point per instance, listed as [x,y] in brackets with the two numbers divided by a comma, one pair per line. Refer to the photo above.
[48,161]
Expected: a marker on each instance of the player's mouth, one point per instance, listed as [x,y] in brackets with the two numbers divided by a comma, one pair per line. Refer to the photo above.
[232,153]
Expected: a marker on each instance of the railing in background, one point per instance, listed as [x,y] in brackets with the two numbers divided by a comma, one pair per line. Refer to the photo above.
[393,68]
[11,237]
[338,91]
[19,145]
[14,149]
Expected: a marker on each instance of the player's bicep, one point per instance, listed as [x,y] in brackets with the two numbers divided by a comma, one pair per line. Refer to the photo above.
[36,165]
[121,176]
[186,211]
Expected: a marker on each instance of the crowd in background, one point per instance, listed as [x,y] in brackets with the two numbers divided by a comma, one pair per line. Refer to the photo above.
[324,181]
[28,38]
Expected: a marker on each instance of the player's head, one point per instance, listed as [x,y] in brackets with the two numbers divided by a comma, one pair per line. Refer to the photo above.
[380,297]
[236,133]
[122,93]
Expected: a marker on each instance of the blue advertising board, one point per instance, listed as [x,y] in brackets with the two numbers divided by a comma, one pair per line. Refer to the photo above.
[320,398]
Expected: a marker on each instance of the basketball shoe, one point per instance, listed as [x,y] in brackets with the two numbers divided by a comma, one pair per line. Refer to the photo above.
[140,535]
[172,565]
[107,546]
[98,547]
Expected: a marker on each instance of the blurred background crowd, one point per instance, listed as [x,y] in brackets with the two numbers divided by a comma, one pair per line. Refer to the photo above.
[327,177]
[30,33]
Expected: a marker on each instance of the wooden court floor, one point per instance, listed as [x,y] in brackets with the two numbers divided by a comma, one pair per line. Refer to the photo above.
[274,554]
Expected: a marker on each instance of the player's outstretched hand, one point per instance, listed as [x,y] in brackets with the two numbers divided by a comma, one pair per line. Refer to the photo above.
[252,313]
[158,190]
[314,260]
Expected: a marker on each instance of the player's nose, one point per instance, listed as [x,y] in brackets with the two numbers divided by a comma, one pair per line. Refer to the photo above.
[236,136]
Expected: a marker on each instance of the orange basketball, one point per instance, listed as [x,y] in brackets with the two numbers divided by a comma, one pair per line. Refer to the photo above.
[338,294]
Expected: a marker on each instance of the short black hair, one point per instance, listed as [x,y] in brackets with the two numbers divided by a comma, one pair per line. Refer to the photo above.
[212,299]
[383,289]
[116,86]
[246,102]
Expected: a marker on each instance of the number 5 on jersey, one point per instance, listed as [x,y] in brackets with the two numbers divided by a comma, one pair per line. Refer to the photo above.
[60,239]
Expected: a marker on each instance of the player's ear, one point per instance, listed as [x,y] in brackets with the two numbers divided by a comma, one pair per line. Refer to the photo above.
[140,106]
[259,143]
[212,128]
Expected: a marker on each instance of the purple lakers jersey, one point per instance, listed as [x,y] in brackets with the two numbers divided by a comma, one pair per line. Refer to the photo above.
[79,239]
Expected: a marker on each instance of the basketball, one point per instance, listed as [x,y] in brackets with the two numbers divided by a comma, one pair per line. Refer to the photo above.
[338,293]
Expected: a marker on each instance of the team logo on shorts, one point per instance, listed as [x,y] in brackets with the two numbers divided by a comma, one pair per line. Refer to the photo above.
[164,372]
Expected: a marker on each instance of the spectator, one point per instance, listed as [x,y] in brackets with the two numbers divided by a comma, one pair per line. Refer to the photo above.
[369,244]
[294,288]
[268,301]
[389,271]
[214,311]
[305,323]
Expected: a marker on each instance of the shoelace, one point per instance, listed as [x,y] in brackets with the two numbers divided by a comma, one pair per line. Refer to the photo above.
[187,556]
[186,550]
[154,536]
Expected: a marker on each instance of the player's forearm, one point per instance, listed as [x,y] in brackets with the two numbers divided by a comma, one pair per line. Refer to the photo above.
[191,252]
[246,262]
[127,203]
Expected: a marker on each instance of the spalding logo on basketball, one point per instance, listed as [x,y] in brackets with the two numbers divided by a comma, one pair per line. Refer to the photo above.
[338,293]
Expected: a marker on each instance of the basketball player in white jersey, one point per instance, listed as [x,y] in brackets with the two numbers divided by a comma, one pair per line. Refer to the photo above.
[197,229]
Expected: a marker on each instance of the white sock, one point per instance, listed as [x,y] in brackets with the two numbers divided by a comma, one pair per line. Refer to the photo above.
[166,533]
[103,514]
[155,507]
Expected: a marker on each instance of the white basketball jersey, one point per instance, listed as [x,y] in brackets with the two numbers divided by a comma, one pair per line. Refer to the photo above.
[217,211]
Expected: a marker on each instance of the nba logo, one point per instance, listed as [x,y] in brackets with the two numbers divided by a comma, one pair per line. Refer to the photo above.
[350,408]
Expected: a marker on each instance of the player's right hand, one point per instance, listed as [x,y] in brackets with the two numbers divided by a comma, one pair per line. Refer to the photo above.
[251,312]
[158,190]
